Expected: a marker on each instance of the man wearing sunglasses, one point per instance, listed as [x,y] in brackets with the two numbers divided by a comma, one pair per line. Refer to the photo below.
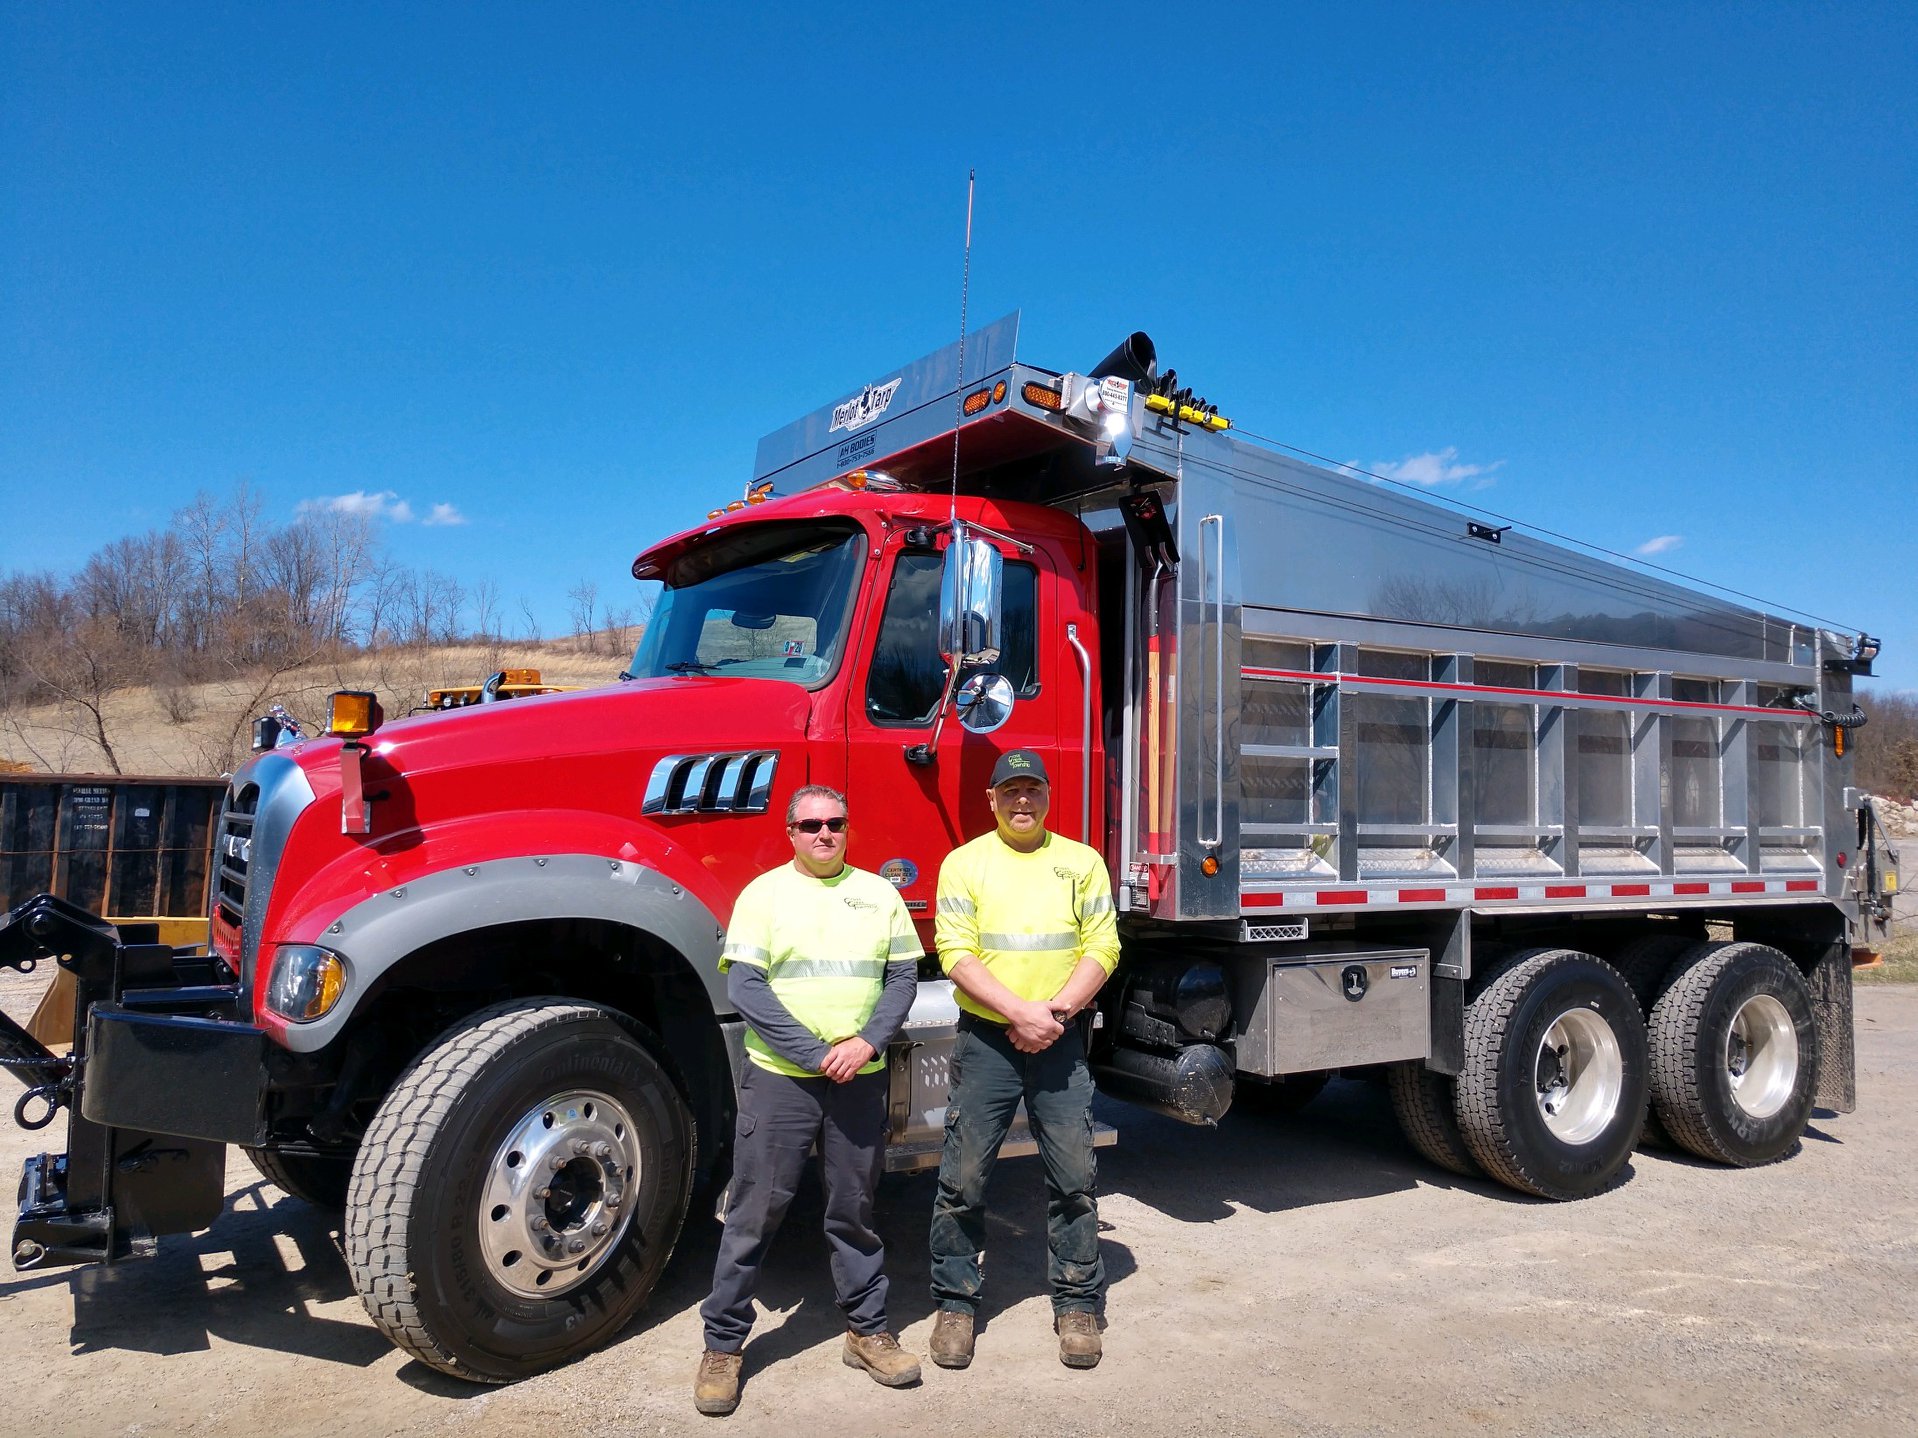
[1026,930]
[822,962]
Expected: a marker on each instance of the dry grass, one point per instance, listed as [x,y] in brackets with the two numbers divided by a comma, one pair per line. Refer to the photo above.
[1900,965]
[205,729]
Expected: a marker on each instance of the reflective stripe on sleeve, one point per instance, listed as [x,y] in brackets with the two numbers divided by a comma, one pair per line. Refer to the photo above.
[906,944]
[746,954]
[1097,904]
[952,904]
[1029,943]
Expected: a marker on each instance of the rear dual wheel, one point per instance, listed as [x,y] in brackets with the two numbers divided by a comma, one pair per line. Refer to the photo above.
[1552,1094]
[1734,1054]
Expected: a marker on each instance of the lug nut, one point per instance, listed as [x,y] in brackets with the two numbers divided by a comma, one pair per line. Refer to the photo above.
[599,1229]
[558,1162]
[537,1223]
[613,1200]
[577,1246]
[542,1193]
[581,1146]
[602,1150]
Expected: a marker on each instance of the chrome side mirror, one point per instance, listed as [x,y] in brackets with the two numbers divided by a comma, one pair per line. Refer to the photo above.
[984,702]
[971,587]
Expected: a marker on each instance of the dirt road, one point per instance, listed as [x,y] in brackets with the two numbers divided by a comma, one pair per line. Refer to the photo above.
[1304,1276]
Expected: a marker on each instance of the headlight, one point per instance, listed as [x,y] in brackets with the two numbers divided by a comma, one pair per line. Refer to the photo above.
[305,983]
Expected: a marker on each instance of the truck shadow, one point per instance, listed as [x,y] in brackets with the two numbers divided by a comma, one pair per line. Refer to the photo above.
[255,1278]
[1344,1145]
[795,1290]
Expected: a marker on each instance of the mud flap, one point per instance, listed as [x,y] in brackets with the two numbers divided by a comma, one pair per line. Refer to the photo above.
[1831,1008]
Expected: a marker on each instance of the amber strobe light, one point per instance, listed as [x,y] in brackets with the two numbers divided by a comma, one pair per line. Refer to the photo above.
[352,714]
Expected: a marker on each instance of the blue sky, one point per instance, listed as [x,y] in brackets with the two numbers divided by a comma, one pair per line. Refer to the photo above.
[1637,274]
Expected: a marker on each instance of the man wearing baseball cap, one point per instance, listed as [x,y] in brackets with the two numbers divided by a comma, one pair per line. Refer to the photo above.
[1026,931]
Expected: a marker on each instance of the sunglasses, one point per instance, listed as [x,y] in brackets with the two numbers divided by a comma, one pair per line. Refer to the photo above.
[813,826]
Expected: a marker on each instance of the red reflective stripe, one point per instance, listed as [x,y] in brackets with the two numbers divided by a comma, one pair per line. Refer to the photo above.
[1564,891]
[1421,896]
[1495,893]
[1262,901]
[1802,886]
[1747,886]
[1631,891]
[1343,896]
[1691,888]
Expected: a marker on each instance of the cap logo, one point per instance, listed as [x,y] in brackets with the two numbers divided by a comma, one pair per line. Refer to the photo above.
[1018,761]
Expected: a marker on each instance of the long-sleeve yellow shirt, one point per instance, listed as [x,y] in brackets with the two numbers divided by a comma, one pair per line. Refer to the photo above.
[1029,918]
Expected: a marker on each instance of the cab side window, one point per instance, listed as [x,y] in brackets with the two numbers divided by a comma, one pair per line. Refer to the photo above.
[907,678]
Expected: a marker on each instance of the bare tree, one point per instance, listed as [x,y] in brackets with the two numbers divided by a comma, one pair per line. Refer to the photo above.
[532,620]
[582,604]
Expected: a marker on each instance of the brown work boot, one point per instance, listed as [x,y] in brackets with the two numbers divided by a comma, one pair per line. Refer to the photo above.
[952,1338]
[881,1356]
[716,1389]
[1079,1342]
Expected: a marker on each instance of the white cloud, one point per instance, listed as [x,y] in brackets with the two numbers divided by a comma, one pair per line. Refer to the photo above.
[444,514]
[385,504]
[1660,544]
[1436,467]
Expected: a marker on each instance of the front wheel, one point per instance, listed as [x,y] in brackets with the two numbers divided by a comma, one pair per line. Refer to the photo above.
[519,1190]
[1552,1095]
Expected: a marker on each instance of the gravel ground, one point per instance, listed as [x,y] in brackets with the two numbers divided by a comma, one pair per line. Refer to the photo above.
[1279,1276]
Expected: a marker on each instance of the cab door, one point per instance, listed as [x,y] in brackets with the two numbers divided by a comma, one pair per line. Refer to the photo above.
[908,814]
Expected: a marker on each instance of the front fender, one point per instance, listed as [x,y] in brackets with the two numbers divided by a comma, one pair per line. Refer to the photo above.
[382,928]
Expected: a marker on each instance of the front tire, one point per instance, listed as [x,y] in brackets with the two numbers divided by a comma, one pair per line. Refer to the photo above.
[1552,1095]
[519,1190]
[1735,1055]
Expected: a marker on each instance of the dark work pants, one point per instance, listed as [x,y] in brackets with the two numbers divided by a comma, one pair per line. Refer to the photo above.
[989,1077]
[779,1120]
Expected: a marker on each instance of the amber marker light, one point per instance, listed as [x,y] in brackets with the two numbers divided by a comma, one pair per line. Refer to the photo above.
[999,392]
[1043,396]
[352,714]
[1209,866]
[976,401]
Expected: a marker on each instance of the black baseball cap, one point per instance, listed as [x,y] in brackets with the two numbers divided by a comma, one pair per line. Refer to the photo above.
[1018,764]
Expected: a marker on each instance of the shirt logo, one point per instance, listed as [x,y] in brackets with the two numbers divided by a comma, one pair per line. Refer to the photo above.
[864,407]
[1063,872]
[864,906]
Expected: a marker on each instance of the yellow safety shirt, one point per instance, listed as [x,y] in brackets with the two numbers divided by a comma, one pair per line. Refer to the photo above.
[824,944]
[1029,918]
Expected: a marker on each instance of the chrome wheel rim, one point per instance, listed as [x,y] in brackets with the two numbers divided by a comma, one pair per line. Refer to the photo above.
[558,1194]
[1761,1056]
[1580,1071]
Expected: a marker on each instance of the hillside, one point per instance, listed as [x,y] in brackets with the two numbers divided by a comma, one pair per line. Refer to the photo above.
[205,729]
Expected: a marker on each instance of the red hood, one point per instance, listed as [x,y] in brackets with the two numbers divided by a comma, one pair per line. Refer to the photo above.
[690,714]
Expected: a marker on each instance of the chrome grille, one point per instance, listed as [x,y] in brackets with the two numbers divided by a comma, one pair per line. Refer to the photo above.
[233,851]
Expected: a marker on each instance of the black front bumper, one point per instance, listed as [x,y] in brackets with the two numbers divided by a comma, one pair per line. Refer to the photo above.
[164,1074]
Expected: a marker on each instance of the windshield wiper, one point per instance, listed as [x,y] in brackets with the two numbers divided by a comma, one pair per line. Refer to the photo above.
[688,666]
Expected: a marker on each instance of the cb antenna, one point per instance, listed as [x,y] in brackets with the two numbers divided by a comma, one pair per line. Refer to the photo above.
[959,391]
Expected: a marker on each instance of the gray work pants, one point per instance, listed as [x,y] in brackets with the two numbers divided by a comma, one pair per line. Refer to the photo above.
[780,1118]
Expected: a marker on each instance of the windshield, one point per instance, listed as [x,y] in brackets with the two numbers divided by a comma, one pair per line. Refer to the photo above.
[761,604]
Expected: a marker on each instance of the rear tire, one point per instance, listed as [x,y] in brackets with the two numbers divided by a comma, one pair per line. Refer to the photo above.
[319,1179]
[519,1190]
[1735,1055]
[1649,962]
[1553,1092]
[1426,1106]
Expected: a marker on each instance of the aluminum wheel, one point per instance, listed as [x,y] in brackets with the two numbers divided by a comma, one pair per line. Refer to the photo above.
[556,1200]
[1581,1073]
[1761,1055]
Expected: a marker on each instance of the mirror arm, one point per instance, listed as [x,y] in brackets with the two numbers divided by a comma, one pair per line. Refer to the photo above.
[973,526]
[929,751]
